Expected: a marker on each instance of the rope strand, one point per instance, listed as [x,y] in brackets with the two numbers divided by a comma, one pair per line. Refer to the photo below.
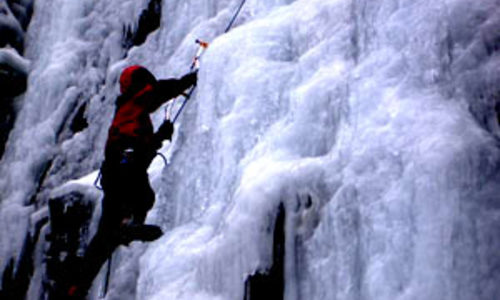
[235,16]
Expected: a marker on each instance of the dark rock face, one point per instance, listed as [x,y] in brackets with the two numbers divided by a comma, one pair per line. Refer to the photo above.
[17,275]
[6,121]
[13,80]
[64,231]
[11,32]
[15,16]
[270,284]
[22,10]
[148,22]
[70,217]
[79,121]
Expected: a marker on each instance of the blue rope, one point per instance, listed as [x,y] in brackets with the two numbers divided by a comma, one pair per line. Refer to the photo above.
[184,103]
[235,16]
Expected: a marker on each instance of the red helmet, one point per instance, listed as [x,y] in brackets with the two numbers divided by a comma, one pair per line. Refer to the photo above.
[134,78]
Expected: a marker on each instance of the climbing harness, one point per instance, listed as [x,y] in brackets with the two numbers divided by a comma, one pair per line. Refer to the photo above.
[125,159]
[127,156]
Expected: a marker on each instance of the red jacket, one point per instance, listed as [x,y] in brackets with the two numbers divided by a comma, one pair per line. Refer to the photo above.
[132,126]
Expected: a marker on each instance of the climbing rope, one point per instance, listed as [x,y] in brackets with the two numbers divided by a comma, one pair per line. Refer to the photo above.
[235,16]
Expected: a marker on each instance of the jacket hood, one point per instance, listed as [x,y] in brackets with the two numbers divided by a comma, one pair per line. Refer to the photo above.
[135,78]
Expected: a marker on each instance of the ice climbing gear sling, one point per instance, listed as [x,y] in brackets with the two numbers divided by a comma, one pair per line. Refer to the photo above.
[195,65]
[97,181]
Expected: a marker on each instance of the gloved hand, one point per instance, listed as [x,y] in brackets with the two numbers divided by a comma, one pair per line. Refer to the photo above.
[191,78]
[165,131]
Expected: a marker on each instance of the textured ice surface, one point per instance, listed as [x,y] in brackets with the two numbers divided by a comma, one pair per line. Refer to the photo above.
[373,121]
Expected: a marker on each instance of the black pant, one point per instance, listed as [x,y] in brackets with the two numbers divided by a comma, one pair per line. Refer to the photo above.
[128,197]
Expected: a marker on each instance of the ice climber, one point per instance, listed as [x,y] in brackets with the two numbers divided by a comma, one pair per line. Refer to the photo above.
[129,150]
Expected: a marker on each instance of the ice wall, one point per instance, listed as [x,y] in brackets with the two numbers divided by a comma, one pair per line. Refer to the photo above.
[379,112]
[373,122]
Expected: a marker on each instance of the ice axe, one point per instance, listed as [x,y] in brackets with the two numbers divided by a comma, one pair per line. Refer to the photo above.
[202,46]
[195,65]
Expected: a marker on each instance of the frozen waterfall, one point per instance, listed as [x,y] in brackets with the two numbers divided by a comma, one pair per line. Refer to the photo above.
[373,124]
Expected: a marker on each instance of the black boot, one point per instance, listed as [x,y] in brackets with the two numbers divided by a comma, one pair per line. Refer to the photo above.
[140,232]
